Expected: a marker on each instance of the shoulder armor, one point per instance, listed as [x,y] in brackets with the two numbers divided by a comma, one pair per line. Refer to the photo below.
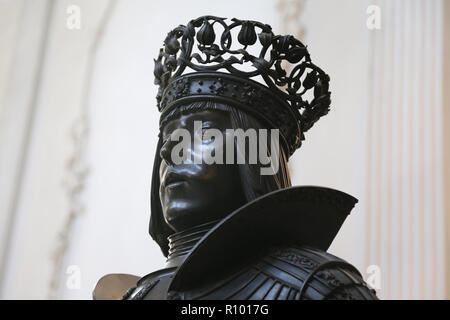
[291,273]
[113,286]
[151,287]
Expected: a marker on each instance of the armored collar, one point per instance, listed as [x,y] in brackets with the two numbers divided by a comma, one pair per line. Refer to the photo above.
[181,243]
[301,215]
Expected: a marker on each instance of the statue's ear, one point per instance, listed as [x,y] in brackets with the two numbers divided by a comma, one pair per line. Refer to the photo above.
[158,228]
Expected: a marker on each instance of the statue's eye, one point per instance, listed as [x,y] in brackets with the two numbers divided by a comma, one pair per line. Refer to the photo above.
[206,139]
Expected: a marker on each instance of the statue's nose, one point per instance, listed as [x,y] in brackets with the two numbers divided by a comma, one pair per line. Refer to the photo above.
[165,151]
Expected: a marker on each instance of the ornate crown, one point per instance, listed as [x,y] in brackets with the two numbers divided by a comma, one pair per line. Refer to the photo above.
[283,101]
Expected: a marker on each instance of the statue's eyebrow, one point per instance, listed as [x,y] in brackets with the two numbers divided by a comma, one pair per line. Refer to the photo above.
[209,124]
[165,135]
[168,129]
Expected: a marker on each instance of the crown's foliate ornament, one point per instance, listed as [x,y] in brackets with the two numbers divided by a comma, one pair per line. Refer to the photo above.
[220,53]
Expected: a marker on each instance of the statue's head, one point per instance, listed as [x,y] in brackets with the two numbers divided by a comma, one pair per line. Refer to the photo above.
[225,138]
[195,193]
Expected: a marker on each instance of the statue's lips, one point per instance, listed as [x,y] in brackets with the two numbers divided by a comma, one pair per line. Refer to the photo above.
[173,180]
[175,184]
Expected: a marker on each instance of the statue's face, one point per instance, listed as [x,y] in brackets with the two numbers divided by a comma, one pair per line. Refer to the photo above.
[190,193]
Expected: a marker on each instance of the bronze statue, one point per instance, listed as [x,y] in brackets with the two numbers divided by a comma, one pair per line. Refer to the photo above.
[228,230]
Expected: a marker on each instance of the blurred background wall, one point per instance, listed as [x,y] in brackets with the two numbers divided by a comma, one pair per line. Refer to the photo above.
[78,130]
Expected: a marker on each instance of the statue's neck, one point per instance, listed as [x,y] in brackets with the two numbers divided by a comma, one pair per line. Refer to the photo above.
[181,243]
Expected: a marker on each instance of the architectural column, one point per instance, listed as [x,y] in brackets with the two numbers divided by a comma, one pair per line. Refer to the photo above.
[446,138]
[404,166]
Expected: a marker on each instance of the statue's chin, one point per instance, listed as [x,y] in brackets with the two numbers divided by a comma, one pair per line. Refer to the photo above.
[182,215]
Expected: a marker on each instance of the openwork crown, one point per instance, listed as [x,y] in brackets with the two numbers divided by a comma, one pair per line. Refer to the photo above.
[292,96]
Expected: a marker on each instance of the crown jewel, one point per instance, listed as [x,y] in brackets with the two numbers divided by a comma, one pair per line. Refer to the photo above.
[224,69]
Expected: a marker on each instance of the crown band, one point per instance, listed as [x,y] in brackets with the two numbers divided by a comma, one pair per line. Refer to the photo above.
[245,94]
